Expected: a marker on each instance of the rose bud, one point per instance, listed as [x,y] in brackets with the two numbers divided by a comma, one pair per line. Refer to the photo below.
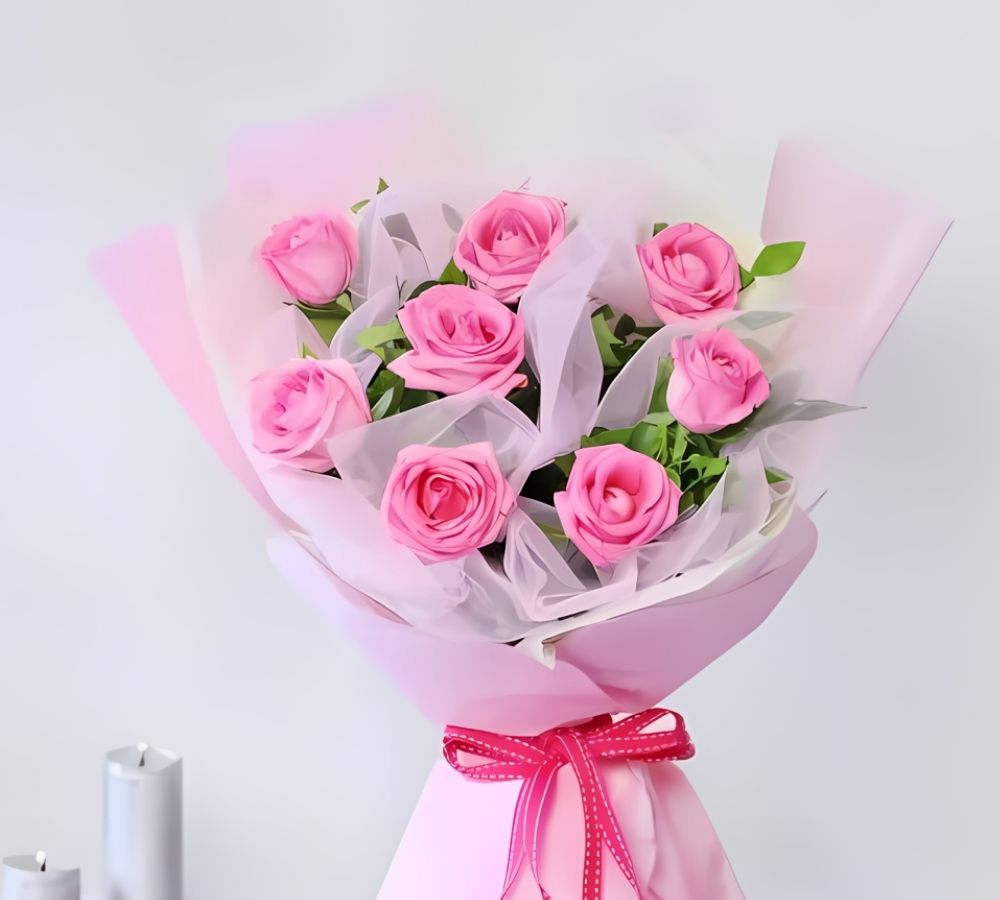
[461,340]
[312,257]
[689,271]
[504,241]
[444,503]
[616,499]
[716,381]
[297,406]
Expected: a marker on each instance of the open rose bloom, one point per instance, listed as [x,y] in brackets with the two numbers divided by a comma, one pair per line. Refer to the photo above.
[419,526]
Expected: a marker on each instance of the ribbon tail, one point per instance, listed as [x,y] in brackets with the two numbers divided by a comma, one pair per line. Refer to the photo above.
[516,850]
[543,783]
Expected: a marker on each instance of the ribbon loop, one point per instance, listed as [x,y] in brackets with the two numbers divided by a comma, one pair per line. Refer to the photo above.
[535,761]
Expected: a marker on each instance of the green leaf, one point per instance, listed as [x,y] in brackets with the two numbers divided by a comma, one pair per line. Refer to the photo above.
[327,319]
[674,477]
[775,477]
[413,399]
[658,227]
[624,327]
[420,288]
[746,278]
[660,418]
[648,439]
[452,274]
[381,408]
[361,204]
[565,462]
[606,341]
[601,438]
[658,400]
[385,393]
[776,259]
[680,444]
[729,434]
[306,353]
[327,327]
[335,309]
[552,532]
[706,466]
[374,337]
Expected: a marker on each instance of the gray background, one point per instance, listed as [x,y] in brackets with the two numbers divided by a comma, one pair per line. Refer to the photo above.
[847,749]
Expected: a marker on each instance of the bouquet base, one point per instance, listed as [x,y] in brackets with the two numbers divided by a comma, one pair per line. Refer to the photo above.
[456,844]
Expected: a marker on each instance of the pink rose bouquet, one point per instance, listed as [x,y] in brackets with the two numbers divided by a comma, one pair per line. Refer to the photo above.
[690,271]
[444,504]
[503,242]
[312,257]
[296,406]
[542,477]
[461,340]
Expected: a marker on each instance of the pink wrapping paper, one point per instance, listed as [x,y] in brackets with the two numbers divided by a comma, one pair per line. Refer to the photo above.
[455,847]
[456,844]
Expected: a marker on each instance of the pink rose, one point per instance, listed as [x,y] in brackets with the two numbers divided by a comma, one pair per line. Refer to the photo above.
[313,257]
[461,340]
[716,381]
[446,502]
[295,407]
[505,240]
[689,271]
[616,499]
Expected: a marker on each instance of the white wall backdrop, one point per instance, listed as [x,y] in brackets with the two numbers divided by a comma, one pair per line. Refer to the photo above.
[847,749]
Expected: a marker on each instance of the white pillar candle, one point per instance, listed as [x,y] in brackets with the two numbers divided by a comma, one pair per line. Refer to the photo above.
[32,878]
[143,857]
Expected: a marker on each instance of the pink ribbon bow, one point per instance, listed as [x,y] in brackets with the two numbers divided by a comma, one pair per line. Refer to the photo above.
[537,760]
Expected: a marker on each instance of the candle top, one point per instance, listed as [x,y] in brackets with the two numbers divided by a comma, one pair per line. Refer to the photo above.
[139,759]
[37,864]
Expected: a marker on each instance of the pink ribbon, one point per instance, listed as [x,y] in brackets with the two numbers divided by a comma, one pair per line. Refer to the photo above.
[537,760]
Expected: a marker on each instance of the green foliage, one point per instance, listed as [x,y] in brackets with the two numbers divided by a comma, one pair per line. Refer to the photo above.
[746,279]
[420,288]
[658,399]
[385,394]
[649,440]
[452,274]
[553,533]
[692,461]
[617,342]
[328,319]
[606,340]
[600,437]
[361,204]
[776,259]
[624,327]
[658,227]
[564,463]
[375,337]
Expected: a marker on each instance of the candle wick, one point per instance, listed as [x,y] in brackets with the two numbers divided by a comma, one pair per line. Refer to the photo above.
[40,858]
[142,754]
